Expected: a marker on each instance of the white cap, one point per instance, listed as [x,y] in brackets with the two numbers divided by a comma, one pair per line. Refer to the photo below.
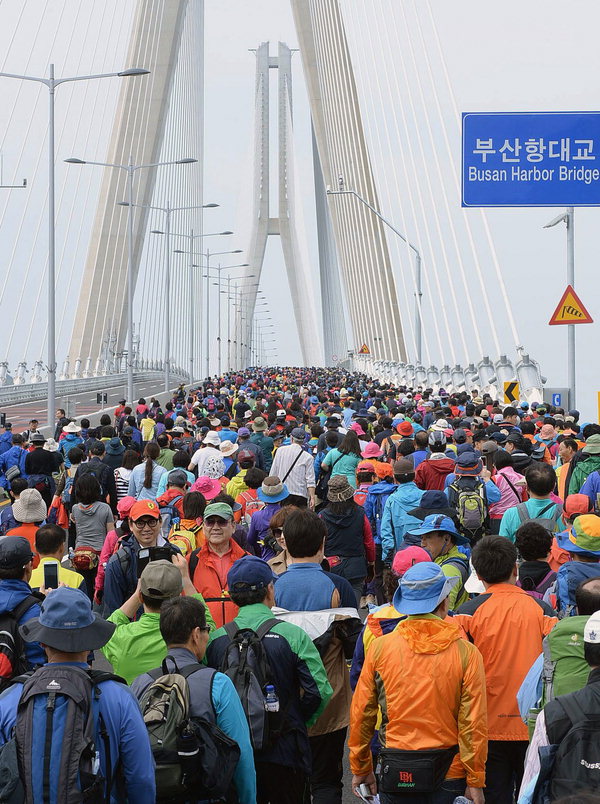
[591,631]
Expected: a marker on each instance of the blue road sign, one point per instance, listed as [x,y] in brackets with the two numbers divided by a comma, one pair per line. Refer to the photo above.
[531,159]
[556,400]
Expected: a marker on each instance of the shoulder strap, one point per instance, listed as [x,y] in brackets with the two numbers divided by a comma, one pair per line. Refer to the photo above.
[523,513]
[193,563]
[571,708]
[98,676]
[296,459]
[231,630]
[514,490]
[24,606]
[264,629]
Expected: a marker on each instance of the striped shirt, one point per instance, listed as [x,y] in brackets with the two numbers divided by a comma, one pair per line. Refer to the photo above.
[302,476]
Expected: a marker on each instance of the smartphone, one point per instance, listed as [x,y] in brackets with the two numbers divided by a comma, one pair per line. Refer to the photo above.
[148,554]
[363,792]
[51,575]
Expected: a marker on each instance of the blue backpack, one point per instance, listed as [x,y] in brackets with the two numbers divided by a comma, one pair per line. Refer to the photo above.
[568,578]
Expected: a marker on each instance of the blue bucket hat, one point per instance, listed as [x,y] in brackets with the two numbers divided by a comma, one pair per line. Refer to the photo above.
[248,574]
[422,588]
[439,522]
[67,623]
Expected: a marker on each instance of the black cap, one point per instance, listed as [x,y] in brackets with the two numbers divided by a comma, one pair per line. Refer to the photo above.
[15,551]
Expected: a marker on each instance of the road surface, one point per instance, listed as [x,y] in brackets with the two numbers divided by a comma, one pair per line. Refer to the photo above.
[76,405]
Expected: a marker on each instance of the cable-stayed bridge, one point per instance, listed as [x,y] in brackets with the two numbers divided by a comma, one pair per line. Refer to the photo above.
[147,286]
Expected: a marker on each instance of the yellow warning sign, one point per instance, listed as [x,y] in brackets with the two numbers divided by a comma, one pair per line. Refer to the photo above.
[570,310]
[512,391]
[364,350]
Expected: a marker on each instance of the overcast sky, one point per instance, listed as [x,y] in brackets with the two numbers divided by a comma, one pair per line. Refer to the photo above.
[539,55]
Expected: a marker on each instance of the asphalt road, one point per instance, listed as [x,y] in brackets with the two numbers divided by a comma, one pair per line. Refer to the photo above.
[76,405]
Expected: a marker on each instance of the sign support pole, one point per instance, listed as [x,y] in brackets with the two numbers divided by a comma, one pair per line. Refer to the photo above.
[570,220]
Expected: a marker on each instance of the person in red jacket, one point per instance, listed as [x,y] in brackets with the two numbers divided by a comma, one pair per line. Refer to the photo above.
[431,474]
[210,563]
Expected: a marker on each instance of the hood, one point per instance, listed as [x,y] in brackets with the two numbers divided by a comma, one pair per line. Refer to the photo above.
[441,466]
[339,521]
[382,488]
[428,634]
[71,438]
[409,494]
[383,620]
[170,494]
[12,593]
[88,510]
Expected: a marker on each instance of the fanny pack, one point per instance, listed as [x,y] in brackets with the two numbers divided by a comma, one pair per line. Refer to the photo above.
[413,771]
[85,558]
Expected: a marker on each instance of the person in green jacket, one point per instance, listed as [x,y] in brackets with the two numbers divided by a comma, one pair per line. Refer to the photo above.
[137,646]
[442,541]
[298,677]
[266,443]
[583,468]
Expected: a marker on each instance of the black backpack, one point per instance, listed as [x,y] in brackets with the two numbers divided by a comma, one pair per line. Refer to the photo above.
[12,648]
[54,746]
[98,472]
[571,763]
[194,758]
[246,663]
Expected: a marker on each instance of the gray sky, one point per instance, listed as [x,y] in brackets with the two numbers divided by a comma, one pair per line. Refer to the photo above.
[533,56]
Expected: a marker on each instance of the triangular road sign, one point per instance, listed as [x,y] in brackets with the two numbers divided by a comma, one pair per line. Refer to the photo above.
[570,310]
[364,350]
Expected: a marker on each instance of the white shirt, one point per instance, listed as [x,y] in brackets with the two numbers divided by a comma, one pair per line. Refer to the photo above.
[302,476]
[205,455]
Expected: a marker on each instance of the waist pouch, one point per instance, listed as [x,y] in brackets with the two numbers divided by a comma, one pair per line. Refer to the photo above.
[85,558]
[413,771]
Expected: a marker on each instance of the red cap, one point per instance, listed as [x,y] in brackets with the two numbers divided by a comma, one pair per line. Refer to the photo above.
[405,559]
[577,504]
[144,508]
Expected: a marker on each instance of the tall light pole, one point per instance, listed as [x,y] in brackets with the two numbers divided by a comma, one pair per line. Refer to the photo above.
[51,83]
[220,268]
[130,168]
[569,219]
[418,285]
[167,213]
[207,255]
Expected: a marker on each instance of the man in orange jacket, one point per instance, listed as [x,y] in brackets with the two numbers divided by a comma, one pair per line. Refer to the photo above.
[430,685]
[508,626]
[210,563]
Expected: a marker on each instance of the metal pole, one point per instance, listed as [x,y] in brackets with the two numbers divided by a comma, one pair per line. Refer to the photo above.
[228,323]
[206,346]
[168,300]
[418,297]
[219,322]
[51,260]
[130,169]
[571,281]
[191,309]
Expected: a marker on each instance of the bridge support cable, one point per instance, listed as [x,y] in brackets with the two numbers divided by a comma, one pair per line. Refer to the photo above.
[371,103]
[483,214]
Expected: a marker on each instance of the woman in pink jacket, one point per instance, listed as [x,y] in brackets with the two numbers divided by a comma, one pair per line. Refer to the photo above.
[512,485]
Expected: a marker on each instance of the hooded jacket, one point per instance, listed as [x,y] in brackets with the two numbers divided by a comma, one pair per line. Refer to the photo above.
[15,456]
[582,469]
[508,499]
[431,474]
[12,592]
[419,713]
[66,443]
[374,506]
[396,520]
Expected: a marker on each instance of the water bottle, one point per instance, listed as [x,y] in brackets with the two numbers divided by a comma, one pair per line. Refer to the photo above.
[462,800]
[188,751]
[271,699]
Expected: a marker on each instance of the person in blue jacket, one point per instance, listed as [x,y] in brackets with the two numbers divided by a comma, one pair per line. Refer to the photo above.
[212,694]
[16,566]
[69,630]
[395,520]
[5,438]
[15,456]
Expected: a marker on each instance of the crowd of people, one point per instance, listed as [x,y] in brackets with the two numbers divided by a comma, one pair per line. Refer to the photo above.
[288,567]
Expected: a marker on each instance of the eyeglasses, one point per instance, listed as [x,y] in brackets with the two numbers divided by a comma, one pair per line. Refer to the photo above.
[203,628]
[145,523]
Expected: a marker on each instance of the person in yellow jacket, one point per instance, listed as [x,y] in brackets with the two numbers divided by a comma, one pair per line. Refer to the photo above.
[50,546]
[430,685]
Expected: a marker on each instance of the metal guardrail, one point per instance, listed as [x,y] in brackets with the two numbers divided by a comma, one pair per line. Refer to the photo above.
[17,394]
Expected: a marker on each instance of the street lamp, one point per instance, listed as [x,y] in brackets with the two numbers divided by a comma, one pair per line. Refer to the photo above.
[568,217]
[51,83]
[418,290]
[131,169]
[207,255]
[167,212]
